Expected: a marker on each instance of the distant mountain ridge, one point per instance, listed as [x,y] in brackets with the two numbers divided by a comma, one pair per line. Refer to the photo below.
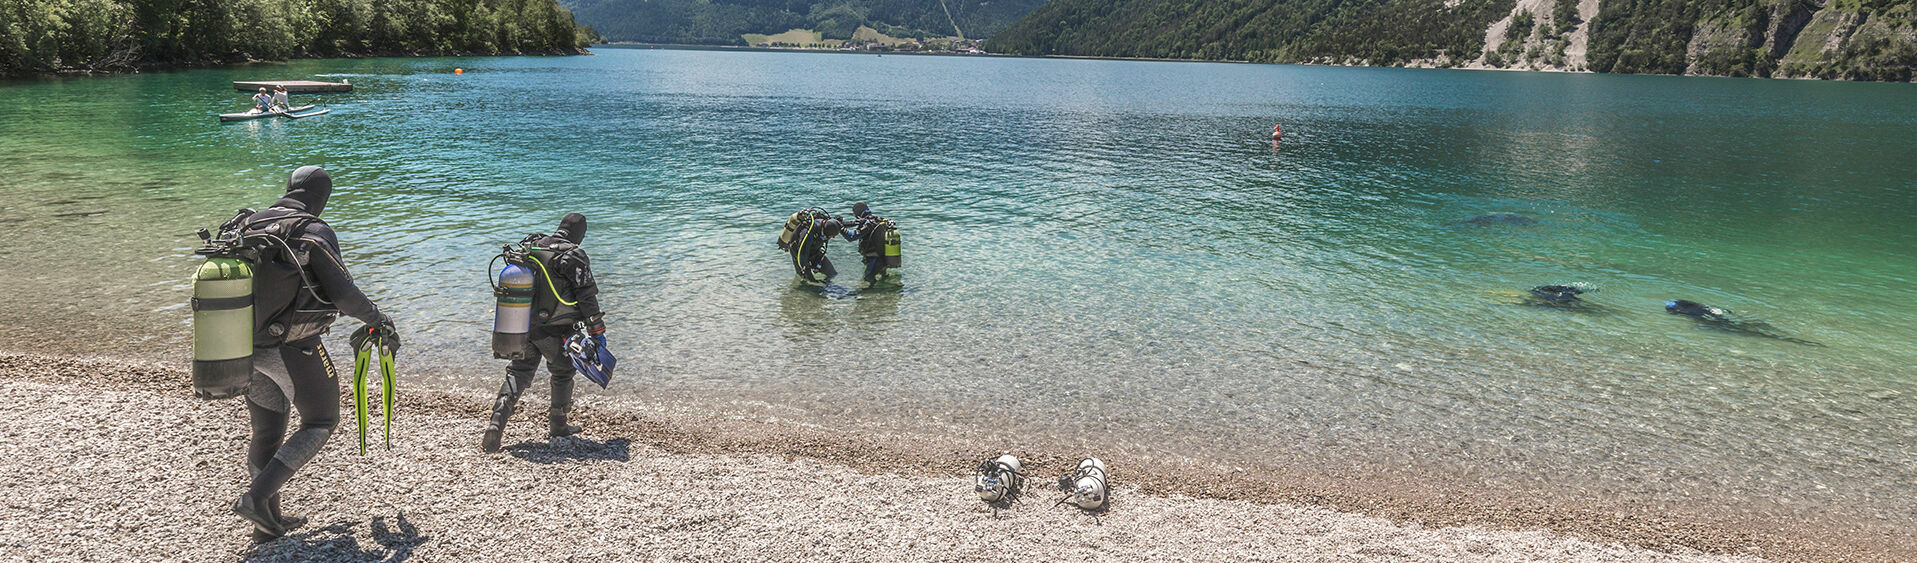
[724,22]
[1832,39]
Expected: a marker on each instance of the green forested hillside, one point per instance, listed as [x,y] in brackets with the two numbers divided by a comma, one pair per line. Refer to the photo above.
[1381,32]
[54,35]
[722,22]
[1849,39]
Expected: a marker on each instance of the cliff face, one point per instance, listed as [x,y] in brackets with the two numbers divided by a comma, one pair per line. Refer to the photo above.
[1831,39]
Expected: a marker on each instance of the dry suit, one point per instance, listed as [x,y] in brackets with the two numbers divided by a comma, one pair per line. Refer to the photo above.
[564,293]
[300,286]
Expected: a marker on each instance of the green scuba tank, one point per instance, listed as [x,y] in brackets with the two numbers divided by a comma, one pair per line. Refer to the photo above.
[222,328]
[891,244]
[223,315]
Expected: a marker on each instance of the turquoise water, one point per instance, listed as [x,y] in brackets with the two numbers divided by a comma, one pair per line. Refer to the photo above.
[1098,254]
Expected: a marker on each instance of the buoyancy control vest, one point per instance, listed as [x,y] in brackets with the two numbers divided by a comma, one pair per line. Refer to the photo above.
[880,239]
[288,303]
[872,237]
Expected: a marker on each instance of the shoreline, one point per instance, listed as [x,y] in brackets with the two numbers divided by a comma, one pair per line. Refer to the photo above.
[159,66]
[678,435]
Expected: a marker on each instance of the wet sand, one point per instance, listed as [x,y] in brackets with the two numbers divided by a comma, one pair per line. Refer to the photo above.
[113,459]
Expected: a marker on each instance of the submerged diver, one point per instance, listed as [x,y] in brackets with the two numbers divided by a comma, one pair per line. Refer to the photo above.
[1697,310]
[1558,294]
[1726,320]
[869,231]
[808,249]
[296,299]
[563,294]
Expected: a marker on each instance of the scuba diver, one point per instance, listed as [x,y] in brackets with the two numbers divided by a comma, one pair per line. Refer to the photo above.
[870,232]
[1557,293]
[564,294]
[300,286]
[808,248]
[1720,318]
[1697,311]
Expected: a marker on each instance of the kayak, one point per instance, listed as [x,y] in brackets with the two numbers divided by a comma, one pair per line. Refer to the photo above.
[255,114]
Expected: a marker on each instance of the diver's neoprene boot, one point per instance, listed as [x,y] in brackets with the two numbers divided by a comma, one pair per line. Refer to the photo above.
[560,428]
[561,404]
[496,429]
[265,527]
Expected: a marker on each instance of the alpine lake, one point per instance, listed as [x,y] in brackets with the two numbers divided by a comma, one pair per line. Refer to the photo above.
[1107,256]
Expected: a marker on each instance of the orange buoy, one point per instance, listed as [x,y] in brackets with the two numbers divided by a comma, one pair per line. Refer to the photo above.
[459,71]
[1275,133]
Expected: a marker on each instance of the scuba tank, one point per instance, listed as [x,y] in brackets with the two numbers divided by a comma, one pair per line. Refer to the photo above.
[223,315]
[1087,486]
[796,222]
[228,317]
[891,244]
[999,480]
[512,314]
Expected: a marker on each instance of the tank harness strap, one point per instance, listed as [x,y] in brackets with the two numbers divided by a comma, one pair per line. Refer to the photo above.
[549,285]
[222,303]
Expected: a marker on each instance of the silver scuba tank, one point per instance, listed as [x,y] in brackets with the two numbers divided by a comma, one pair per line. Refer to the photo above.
[1089,485]
[999,479]
[512,312]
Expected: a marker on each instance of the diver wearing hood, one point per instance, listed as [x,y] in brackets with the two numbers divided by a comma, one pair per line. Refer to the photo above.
[564,295]
[300,286]
[808,252]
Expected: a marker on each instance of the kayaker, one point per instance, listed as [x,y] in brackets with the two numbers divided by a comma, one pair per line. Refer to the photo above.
[262,101]
[279,99]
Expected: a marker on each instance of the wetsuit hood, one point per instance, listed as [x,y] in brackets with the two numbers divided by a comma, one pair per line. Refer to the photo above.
[860,209]
[572,228]
[307,190]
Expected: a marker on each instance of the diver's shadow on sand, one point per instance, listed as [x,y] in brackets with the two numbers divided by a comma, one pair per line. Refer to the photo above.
[572,448]
[338,542]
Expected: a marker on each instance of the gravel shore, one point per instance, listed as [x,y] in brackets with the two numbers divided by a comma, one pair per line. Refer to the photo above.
[123,464]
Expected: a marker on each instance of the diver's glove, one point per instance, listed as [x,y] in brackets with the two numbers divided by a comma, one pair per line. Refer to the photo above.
[596,326]
[384,329]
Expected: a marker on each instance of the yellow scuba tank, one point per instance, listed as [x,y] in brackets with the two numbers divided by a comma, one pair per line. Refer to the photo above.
[222,316]
[891,244]
[796,222]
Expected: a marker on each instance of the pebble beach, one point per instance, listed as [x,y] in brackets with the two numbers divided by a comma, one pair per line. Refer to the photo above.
[113,459]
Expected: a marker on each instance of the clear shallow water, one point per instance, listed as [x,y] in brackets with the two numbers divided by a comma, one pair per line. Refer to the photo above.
[1111,254]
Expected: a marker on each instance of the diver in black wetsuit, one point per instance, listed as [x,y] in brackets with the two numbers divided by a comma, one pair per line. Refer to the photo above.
[1697,310]
[568,296]
[866,229]
[1558,294]
[296,299]
[808,251]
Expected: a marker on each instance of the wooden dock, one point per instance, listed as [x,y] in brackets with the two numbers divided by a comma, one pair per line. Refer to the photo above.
[295,86]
